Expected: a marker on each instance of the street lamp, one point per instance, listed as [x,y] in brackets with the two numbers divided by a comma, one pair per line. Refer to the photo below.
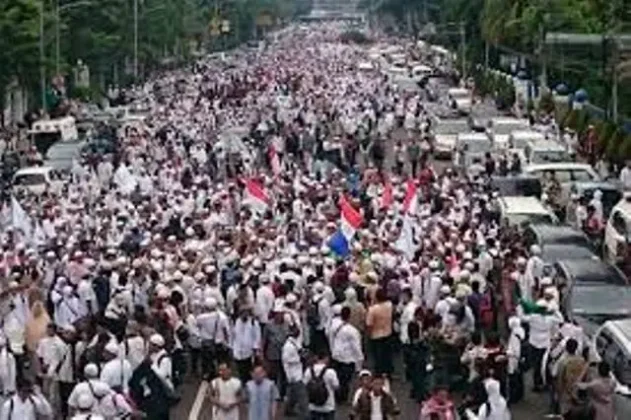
[58,9]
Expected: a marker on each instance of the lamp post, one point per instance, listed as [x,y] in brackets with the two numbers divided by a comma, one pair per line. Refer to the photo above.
[58,10]
[135,40]
[42,68]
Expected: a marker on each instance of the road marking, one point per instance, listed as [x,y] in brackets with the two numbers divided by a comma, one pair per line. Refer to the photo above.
[199,401]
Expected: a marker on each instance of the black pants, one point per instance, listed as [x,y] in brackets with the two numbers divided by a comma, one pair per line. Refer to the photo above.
[196,359]
[345,374]
[65,389]
[382,353]
[515,387]
[208,361]
[322,416]
[536,358]
[319,342]
[244,368]
[276,372]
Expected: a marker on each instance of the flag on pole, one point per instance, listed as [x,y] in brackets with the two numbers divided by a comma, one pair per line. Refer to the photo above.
[256,196]
[387,198]
[410,202]
[39,236]
[20,220]
[350,221]
[405,242]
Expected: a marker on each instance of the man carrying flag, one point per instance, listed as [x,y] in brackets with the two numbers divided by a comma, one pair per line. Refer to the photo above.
[350,221]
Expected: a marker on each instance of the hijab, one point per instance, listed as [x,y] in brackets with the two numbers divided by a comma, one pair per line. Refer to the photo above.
[496,407]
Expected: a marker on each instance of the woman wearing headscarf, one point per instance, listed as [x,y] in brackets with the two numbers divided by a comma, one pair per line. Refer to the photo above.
[514,354]
[495,407]
[36,325]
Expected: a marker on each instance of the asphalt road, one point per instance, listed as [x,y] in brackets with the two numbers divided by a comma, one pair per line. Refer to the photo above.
[533,407]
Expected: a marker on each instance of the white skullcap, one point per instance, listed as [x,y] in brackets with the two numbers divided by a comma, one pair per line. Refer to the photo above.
[337,309]
[90,370]
[353,277]
[445,289]
[211,303]
[111,347]
[535,249]
[85,400]
[157,340]
[521,261]
[546,281]
[291,298]
[318,287]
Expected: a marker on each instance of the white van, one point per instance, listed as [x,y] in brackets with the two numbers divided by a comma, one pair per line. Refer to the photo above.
[517,210]
[618,232]
[469,146]
[37,179]
[460,99]
[421,72]
[45,133]
[500,129]
[546,151]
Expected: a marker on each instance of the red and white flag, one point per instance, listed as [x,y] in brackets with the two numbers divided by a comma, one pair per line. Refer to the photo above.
[410,202]
[351,219]
[256,196]
[387,197]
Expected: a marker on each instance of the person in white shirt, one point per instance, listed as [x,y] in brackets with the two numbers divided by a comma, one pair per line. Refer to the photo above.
[321,369]
[133,347]
[27,404]
[495,407]
[408,309]
[293,367]
[8,368]
[346,352]
[84,409]
[542,326]
[91,373]
[65,364]
[625,176]
[225,394]
[264,300]
[161,362]
[246,343]
[117,371]
[214,327]
[514,353]
[49,352]
[110,404]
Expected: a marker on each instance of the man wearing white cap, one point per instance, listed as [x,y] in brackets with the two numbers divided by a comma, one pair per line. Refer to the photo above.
[27,404]
[246,343]
[264,300]
[214,332]
[116,372]
[161,362]
[91,374]
[85,410]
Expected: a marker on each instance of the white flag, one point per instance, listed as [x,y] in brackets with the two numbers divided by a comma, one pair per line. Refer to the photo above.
[405,243]
[20,220]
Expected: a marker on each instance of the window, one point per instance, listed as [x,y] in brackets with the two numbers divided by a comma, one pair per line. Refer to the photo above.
[619,224]
[603,341]
[581,176]
[30,179]
[622,369]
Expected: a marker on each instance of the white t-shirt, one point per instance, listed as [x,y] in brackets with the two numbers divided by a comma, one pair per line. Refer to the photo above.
[332,384]
[227,393]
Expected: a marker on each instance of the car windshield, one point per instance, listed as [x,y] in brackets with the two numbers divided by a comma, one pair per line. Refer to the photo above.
[517,187]
[62,151]
[519,218]
[601,302]
[452,127]
[548,156]
[506,129]
[30,179]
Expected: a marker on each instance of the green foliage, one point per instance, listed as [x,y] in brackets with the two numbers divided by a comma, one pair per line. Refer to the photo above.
[624,152]
[614,144]
[605,137]
[546,103]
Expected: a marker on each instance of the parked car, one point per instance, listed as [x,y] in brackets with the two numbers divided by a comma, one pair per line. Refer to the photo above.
[445,133]
[618,233]
[61,155]
[612,193]
[566,173]
[612,343]
[545,234]
[515,211]
[592,292]
[517,186]
[37,179]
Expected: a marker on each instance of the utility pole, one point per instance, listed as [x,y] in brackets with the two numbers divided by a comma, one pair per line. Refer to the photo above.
[135,41]
[42,68]
[614,81]
[463,47]
[57,38]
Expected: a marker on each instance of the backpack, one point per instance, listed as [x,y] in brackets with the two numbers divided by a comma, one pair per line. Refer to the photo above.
[486,310]
[317,391]
[313,313]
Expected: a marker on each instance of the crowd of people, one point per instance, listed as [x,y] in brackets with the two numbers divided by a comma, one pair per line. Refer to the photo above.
[281,264]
